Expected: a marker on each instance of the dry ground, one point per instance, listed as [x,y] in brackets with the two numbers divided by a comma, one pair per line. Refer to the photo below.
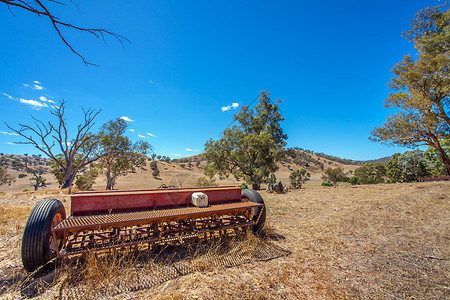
[371,242]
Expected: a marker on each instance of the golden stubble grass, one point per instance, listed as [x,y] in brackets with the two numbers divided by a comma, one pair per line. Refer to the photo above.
[371,242]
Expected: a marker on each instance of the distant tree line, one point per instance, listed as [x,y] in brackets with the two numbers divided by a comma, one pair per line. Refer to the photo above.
[407,167]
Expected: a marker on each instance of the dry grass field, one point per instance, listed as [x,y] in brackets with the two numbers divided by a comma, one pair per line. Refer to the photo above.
[370,242]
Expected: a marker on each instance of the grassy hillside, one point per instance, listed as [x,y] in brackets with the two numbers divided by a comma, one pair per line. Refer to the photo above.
[182,172]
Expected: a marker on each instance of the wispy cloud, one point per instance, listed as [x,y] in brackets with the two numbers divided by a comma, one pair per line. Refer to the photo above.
[9,143]
[36,85]
[188,149]
[127,119]
[45,99]
[151,82]
[132,130]
[232,106]
[151,134]
[9,96]
[142,136]
[176,154]
[196,150]
[9,133]
[35,104]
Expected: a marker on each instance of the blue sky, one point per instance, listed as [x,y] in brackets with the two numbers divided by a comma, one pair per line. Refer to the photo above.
[329,61]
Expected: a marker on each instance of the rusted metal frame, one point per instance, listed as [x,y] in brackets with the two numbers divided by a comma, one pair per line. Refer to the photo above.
[130,242]
[181,216]
[260,213]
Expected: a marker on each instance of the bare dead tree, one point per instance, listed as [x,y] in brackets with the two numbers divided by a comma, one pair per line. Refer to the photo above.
[76,153]
[39,8]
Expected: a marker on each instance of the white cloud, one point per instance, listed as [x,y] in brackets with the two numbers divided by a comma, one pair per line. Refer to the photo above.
[34,103]
[228,107]
[9,133]
[142,136]
[151,82]
[37,87]
[176,154]
[9,143]
[37,82]
[196,150]
[127,119]
[26,85]
[151,134]
[132,130]
[9,96]
[45,99]
[188,149]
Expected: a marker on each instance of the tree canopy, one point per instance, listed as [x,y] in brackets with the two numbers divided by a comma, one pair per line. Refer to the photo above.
[422,87]
[118,155]
[249,149]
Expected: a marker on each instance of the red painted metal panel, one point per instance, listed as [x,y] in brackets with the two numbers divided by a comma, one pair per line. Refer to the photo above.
[83,204]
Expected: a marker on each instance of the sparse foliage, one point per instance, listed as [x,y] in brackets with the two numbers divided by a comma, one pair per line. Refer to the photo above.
[36,178]
[334,175]
[433,156]
[86,181]
[205,182]
[298,177]
[5,178]
[413,165]
[250,148]
[118,155]
[393,169]
[76,152]
[422,87]
[155,173]
[370,173]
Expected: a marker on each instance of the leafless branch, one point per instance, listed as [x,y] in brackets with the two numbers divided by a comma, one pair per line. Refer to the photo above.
[39,8]
[45,136]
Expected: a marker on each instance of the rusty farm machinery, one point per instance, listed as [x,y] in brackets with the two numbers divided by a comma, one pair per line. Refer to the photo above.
[103,220]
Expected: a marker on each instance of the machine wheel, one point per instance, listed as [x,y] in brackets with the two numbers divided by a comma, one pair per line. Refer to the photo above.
[37,243]
[255,197]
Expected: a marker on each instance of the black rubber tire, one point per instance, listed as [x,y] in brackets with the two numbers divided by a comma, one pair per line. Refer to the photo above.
[36,236]
[255,197]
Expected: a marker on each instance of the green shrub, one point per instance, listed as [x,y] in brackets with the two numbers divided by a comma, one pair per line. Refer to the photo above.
[21,175]
[153,165]
[205,182]
[353,180]
[298,178]
[326,183]
[243,186]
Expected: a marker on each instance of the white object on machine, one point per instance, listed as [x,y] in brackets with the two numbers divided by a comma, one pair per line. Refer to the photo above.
[200,199]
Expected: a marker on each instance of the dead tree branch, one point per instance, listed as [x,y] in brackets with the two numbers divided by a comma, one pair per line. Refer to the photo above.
[75,153]
[38,7]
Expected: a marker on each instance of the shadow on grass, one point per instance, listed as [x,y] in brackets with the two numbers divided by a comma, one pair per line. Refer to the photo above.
[98,275]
